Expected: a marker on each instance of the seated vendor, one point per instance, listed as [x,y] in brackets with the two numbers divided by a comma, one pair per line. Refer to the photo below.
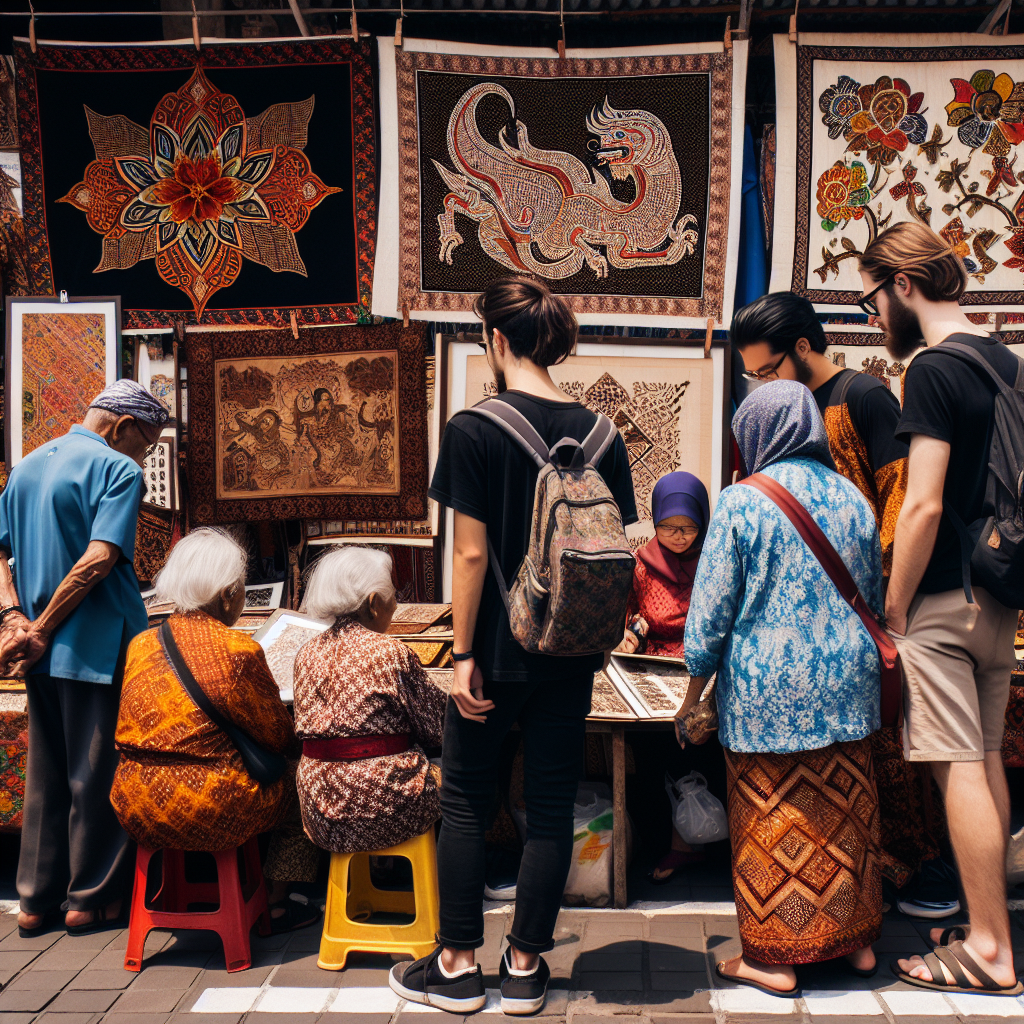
[181,782]
[662,582]
[364,710]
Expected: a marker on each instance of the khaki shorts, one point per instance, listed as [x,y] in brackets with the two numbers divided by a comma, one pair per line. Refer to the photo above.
[957,659]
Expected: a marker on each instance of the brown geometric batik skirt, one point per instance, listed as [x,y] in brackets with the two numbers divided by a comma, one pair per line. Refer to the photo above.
[805,833]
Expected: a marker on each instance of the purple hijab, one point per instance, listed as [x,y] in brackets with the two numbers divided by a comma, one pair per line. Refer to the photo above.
[681,494]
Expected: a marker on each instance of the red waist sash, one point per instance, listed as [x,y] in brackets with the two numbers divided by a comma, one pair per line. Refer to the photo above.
[355,748]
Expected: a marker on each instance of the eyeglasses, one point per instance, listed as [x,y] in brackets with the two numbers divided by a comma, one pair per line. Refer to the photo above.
[770,374]
[672,532]
[867,302]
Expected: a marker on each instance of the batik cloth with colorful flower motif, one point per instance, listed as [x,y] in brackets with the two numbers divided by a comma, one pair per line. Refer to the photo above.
[350,681]
[181,782]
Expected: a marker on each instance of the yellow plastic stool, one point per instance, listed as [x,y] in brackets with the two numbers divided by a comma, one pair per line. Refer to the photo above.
[343,932]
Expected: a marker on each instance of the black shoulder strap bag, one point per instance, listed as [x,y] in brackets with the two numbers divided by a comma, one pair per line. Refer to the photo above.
[263,765]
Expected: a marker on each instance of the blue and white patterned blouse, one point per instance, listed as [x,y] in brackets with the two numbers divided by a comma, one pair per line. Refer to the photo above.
[797,670]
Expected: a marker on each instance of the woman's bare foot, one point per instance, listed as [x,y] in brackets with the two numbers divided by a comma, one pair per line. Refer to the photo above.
[863,959]
[780,977]
[78,918]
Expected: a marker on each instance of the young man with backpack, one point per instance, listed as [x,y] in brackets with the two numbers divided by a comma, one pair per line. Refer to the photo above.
[515,538]
[955,575]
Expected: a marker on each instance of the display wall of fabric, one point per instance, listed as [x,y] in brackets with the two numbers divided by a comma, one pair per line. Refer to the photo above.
[874,130]
[181,782]
[13,759]
[351,681]
[804,831]
[864,351]
[669,403]
[617,179]
[331,424]
[165,174]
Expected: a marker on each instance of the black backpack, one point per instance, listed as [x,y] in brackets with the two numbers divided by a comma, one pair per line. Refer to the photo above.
[992,548]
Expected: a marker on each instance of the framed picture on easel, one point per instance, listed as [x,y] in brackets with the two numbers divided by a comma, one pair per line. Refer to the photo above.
[59,356]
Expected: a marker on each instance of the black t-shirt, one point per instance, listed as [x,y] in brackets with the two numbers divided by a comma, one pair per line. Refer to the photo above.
[947,398]
[484,474]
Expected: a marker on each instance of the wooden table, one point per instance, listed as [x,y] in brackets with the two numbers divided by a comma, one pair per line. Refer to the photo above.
[614,733]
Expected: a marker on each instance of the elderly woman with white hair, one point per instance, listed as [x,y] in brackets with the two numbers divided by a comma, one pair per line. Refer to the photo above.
[364,710]
[181,782]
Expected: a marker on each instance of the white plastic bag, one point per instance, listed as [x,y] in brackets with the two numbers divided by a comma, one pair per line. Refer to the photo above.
[698,816]
[590,875]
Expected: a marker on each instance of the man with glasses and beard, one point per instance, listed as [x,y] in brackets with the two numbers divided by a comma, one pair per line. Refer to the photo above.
[68,516]
[957,654]
[779,336]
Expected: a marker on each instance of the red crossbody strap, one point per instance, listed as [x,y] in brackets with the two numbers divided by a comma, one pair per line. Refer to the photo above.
[829,558]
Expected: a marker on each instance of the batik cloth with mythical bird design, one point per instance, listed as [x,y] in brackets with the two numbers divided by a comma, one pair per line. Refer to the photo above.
[608,178]
[931,129]
[201,183]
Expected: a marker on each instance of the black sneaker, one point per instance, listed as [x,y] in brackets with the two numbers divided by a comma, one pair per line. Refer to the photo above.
[421,981]
[523,993]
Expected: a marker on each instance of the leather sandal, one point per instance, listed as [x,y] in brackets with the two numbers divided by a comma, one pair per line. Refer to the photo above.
[100,922]
[954,957]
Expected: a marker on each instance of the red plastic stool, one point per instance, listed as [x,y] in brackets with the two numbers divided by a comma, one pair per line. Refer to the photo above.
[232,920]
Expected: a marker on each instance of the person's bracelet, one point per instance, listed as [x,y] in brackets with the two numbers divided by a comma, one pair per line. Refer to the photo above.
[9,610]
[464,656]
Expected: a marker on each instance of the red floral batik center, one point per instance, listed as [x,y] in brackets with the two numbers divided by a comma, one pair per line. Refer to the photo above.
[197,191]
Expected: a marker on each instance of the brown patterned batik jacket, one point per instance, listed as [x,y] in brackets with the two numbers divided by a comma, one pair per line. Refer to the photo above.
[350,681]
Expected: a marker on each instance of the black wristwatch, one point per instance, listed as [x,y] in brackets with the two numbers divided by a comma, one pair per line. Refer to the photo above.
[464,656]
[9,610]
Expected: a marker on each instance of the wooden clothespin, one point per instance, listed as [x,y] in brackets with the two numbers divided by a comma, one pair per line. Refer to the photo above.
[355,27]
[727,41]
[405,313]
[196,39]
[708,336]
[295,325]
[32,32]
[561,25]
[398,34]
[561,49]
[792,21]
[1000,319]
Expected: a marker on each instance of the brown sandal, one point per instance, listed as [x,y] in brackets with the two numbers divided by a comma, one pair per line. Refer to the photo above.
[953,957]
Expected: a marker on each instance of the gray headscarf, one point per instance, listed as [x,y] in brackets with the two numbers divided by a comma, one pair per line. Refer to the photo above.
[780,420]
[129,398]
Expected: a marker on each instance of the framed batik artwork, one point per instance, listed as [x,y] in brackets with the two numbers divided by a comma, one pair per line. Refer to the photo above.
[156,369]
[331,424]
[228,185]
[614,176]
[160,473]
[59,357]
[873,131]
[669,402]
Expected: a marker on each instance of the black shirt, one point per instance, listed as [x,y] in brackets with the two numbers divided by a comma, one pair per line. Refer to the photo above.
[484,474]
[947,398]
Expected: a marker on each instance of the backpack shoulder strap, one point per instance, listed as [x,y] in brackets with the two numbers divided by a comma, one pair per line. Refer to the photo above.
[516,426]
[844,385]
[599,440]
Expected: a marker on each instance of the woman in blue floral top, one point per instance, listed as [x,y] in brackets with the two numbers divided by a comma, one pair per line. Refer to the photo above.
[798,693]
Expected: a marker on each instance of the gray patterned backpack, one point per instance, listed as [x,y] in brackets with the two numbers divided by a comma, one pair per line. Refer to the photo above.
[569,596]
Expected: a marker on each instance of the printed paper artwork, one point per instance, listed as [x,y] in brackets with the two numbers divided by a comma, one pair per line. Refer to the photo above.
[329,423]
[281,637]
[875,134]
[607,178]
[635,687]
[60,355]
[196,183]
[161,474]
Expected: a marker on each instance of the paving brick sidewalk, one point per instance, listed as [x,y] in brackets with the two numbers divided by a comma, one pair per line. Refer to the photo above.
[655,966]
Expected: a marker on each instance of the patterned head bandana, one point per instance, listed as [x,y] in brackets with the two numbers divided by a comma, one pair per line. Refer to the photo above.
[129,398]
[780,420]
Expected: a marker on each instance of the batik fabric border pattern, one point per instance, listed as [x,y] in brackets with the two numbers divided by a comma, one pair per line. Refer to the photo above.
[912,143]
[205,348]
[717,228]
[185,58]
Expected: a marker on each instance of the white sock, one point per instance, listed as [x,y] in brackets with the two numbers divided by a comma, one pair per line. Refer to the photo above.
[454,974]
[514,971]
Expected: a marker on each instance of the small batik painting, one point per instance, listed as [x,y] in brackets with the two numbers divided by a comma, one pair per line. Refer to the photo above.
[322,425]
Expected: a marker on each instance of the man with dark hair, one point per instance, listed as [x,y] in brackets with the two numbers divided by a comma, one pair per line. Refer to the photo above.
[957,652]
[778,336]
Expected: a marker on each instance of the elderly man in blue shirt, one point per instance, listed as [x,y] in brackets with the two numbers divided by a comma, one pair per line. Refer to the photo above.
[68,516]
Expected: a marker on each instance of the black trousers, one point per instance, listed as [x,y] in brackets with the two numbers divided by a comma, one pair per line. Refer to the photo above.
[73,848]
[552,717]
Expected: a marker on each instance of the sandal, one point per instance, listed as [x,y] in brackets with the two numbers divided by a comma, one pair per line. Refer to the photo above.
[953,957]
[46,919]
[298,913]
[860,972]
[673,862]
[954,933]
[100,921]
[794,993]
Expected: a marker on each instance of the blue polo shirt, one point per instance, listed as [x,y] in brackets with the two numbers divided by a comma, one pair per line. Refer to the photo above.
[63,495]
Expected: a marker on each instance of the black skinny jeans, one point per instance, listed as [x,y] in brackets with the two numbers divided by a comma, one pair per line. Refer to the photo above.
[552,716]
